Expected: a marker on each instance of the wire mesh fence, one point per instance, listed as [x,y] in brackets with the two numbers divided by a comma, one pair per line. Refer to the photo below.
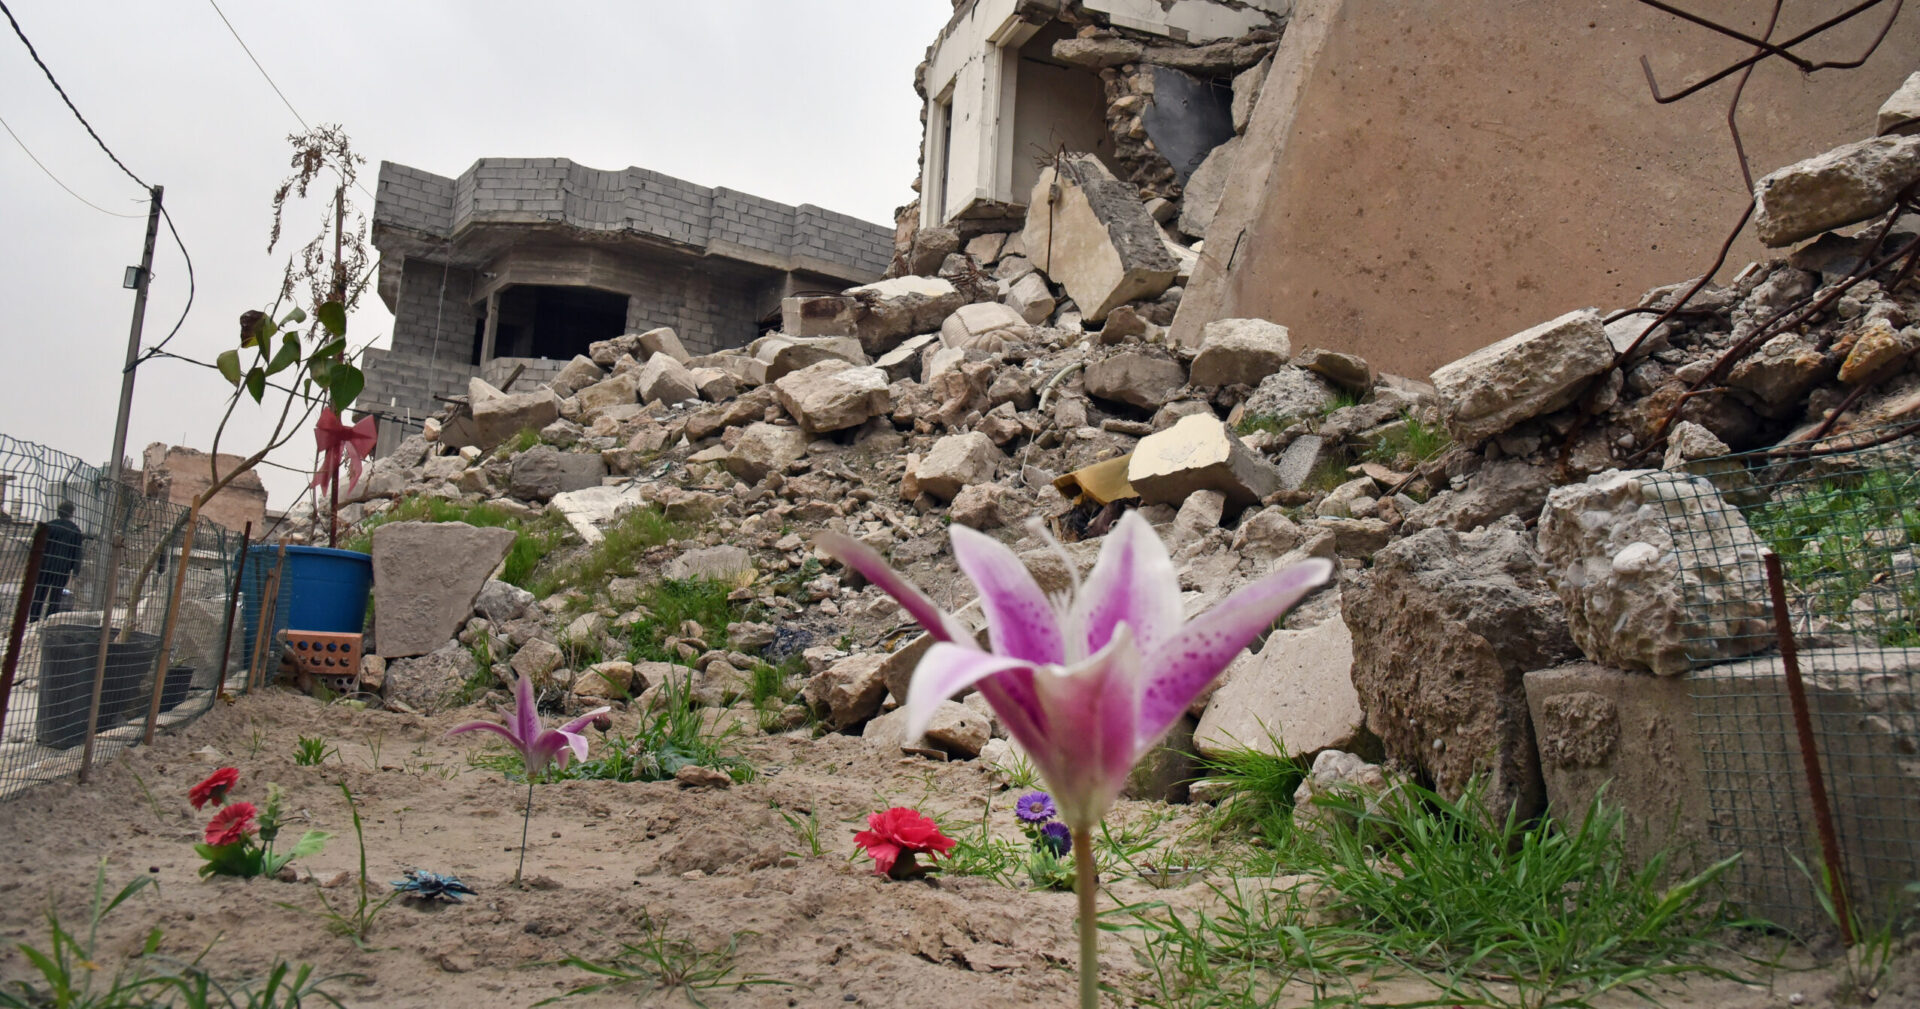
[1843,519]
[87,575]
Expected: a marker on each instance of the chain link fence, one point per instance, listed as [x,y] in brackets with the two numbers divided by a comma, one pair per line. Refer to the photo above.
[87,575]
[1843,519]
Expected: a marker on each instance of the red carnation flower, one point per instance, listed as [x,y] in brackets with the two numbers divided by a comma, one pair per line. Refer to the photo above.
[901,831]
[232,824]
[215,788]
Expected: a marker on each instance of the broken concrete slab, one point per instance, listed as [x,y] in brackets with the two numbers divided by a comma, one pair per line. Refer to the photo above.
[763,449]
[785,355]
[1199,453]
[729,564]
[1349,371]
[543,471]
[588,509]
[1240,352]
[892,310]
[498,417]
[956,461]
[1206,188]
[1299,460]
[1844,186]
[833,395]
[1031,298]
[620,390]
[663,379]
[1295,700]
[429,574]
[1901,113]
[1146,381]
[1530,373]
[1096,239]
[1610,545]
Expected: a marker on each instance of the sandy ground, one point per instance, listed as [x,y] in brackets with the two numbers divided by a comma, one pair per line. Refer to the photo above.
[605,859]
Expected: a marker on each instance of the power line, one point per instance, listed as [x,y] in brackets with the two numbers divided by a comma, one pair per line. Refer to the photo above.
[63,96]
[235,32]
[56,179]
[256,64]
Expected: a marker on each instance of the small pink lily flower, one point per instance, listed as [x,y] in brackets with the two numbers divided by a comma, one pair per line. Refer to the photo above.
[1087,684]
[538,747]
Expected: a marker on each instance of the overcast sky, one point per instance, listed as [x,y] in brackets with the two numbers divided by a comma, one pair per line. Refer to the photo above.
[801,101]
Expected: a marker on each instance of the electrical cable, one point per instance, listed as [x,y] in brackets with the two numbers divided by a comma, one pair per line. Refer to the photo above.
[31,51]
[175,232]
[56,179]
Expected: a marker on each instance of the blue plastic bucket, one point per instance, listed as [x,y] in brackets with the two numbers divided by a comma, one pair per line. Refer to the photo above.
[321,590]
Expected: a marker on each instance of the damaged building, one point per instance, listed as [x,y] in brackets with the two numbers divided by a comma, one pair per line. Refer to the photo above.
[520,263]
[1154,90]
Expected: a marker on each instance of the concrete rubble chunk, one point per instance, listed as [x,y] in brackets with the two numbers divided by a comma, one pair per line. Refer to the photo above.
[543,471]
[765,448]
[1528,374]
[1240,352]
[748,408]
[590,508]
[1498,489]
[985,249]
[429,574]
[1878,350]
[901,362]
[578,374]
[848,692]
[1199,453]
[1098,53]
[834,395]
[605,681]
[1146,381]
[1348,371]
[1845,185]
[957,461]
[500,602]
[498,417]
[433,681]
[1199,515]
[715,385]
[1338,774]
[818,315]
[535,660]
[1246,93]
[977,506]
[892,310]
[662,341]
[1656,571]
[620,390]
[958,729]
[1297,699]
[1207,188]
[1901,113]
[665,380]
[785,355]
[1299,460]
[1031,298]
[1096,239]
[1291,394]
[987,326]
[1445,625]
[720,564]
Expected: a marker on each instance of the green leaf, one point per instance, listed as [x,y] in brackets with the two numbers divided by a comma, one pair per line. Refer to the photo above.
[344,385]
[257,384]
[310,843]
[294,318]
[229,362]
[288,356]
[331,349]
[333,315]
[319,369]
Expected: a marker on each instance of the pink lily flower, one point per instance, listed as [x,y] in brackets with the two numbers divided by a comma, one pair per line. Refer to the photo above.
[538,747]
[1086,684]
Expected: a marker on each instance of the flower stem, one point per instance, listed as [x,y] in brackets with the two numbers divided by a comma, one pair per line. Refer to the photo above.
[526,818]
[1085,883]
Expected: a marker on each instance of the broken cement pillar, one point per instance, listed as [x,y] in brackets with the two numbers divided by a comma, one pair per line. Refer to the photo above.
[1656,571]
[1090,233]
[1445,625]
[1199,453]
[429,574]
[1850,183]
[1523,376]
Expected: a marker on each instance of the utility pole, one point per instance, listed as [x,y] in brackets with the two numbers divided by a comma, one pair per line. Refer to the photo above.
[139,285]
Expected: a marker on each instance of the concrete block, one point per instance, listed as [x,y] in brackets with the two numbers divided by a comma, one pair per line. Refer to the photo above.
[1096,239]
[1199,453]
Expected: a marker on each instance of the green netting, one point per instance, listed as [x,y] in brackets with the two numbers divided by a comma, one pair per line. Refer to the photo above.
[1844,519]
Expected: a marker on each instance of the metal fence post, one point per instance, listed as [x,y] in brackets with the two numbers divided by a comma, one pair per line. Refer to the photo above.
[29,584]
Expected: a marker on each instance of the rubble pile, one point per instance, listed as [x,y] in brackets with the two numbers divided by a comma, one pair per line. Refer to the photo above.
[1502,520]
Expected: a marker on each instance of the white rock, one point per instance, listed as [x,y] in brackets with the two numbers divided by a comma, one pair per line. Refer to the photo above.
[1523,376]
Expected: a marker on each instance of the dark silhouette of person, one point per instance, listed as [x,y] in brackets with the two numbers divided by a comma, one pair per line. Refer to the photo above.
[65,543]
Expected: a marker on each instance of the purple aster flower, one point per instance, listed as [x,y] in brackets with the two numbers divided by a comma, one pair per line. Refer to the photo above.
[1055,835]
[1035,807]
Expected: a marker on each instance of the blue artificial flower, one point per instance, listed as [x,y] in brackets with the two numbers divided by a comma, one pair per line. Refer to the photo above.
[1035,807]
[1056,836]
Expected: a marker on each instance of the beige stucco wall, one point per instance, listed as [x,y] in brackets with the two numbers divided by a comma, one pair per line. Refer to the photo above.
[1425,178]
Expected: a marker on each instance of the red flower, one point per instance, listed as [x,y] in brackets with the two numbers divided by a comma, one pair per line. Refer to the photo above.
[901,831]
[214,789]
[232,824]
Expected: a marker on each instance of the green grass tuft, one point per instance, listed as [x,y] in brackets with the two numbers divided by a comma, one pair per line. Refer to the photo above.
[618,554]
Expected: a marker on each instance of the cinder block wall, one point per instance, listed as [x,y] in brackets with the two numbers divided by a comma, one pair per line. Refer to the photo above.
[432,342]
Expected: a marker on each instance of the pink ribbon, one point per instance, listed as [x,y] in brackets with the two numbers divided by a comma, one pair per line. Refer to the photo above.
[335,438]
